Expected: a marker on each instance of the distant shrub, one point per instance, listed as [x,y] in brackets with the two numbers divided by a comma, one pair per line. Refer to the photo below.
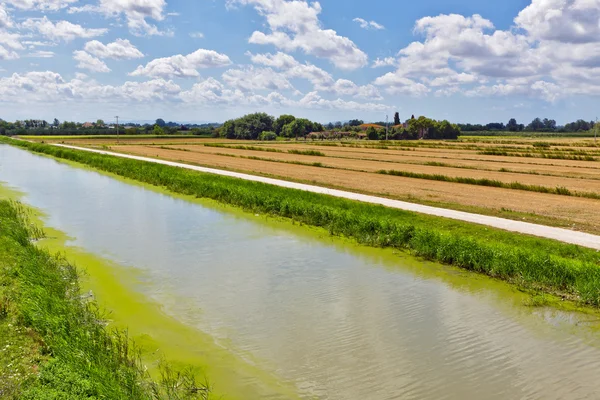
[268,135]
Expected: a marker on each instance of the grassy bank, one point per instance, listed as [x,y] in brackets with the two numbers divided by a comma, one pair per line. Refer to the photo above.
[54,343]
[540,264]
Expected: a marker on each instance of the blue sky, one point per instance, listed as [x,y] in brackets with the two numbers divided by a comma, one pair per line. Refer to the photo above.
[210,60]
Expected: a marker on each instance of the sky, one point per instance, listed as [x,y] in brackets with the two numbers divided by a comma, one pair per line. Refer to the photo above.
[211,60]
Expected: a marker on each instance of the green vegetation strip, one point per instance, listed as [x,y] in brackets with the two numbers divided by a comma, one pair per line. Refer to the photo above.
[491,182]
[54,343]
[553,156]
[567,270]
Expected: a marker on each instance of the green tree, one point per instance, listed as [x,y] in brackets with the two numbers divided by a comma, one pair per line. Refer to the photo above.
[158,130]
[252,125]
[281,122]
[512,125]
[161,122]
[298,127]
[228,129]
[397,118]
[100,123]
[372,133]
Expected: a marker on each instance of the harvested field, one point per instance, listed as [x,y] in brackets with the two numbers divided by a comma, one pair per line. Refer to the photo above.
[362,165]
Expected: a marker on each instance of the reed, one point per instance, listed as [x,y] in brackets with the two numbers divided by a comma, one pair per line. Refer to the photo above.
[64,344]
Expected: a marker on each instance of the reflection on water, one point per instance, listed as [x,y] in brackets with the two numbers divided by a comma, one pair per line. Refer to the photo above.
[339,321]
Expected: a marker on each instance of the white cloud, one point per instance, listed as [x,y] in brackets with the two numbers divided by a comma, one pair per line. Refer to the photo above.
[384,62]
[6,54]
[182,66]
[396,84]
[368,24]
[61,30]
[320,79]
[135,11]
[89,62]
[5,19]
[11,40]
[41,54]
[313,100]
[43,87]
[119,50]
[44,5]
[250,79]
[566,21]
[295,25]
[197,35]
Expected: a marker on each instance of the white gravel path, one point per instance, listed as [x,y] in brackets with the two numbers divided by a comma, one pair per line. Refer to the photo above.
[563,235]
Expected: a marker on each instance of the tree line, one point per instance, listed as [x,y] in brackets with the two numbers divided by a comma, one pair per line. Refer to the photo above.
[537,125]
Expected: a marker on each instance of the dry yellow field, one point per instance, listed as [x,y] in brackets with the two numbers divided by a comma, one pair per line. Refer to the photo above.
[355,166]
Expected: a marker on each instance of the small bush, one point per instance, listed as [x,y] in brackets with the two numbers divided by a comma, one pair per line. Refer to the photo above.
[268,136]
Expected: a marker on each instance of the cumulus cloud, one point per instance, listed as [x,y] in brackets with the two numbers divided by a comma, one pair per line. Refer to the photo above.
[135,11]
[89,62]
[197,35]
[182,66]
[320,79]
[368,24]
[567,21]
[250,79]
[552,53]
[61,30]
[46,86]
[314,100]
[120,49]
[295,25]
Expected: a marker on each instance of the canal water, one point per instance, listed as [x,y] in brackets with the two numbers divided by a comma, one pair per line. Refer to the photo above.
[335,320]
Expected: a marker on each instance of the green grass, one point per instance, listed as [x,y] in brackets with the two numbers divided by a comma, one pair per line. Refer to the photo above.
[93,137]
[253,148]
[54,343]
[541,264]
[307,153]
[554,156]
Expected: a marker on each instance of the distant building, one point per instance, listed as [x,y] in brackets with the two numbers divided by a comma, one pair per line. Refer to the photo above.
[87,125]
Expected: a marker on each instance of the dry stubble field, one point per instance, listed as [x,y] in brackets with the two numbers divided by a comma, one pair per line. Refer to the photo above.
[569,168]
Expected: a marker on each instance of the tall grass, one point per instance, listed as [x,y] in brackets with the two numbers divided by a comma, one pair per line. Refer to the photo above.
[553,156]
[79,356]
[307,153]
[253,148]
[542,264]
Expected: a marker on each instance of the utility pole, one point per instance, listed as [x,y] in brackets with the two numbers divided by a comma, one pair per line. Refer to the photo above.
[386,127]
[596,128]
[117,117]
